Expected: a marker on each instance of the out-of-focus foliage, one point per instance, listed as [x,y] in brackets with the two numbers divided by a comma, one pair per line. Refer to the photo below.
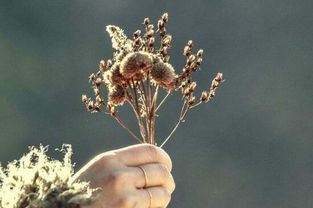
[254,150]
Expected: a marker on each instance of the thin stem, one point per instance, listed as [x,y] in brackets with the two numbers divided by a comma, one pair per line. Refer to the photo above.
[195,105]
[140,125]
[181,118]
[152,114]
[168,93]
[125,127]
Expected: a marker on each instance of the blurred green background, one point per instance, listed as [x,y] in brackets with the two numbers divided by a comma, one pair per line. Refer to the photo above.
[250,147]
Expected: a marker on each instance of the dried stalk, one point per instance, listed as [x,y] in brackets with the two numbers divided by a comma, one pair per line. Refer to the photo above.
[136,74]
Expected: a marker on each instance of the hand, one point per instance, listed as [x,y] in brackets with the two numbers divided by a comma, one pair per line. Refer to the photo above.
[137,176]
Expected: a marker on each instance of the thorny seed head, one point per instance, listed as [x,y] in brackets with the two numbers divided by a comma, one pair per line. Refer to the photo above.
[116,95]
[135,62]
[137,67]
[163,73]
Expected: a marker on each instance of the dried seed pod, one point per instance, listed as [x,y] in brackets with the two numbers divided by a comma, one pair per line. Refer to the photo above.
[116,95]
[190,44]
[92,77]
[163,72]
[190,59]
[146,21]
[90,105]
[192,86]
[137,34]
[135,62]
[96,91]
[200,53]
[98,81]
[204,96]
[84,98]
[191,100]
[187,51]
[102,66]
[165,17]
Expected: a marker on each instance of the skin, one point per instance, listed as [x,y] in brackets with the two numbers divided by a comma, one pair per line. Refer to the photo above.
[122,182]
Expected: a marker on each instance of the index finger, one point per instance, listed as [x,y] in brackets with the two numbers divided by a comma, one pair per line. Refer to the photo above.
[141,154]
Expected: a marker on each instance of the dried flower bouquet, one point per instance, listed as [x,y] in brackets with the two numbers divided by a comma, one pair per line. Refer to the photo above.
[138,70]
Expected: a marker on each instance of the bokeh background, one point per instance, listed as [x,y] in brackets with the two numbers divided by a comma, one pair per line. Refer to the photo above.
[249,147]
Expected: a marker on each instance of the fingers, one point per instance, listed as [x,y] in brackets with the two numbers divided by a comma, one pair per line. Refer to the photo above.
[141,154]
[153,197]
[154,174]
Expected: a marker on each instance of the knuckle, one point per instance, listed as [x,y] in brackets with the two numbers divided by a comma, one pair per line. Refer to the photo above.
[153,151]
[164,171]
[166,195]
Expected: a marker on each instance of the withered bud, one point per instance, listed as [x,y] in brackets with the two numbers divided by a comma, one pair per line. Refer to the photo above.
[219,77]
[187,51]
[116,95]
[137,34]
[150,33]
[146,21]
[84,98]
[163,72]
[191,100]
[98,81]
[190,44]
[167,40]
[96,108]
[199,61]
[151,41]
[150,27]
[212,94]
[191,58]
[92,77]
[192,86]
[102,66]
[134,62]
[96,91]
[216,81]
[165,17]
[90,105]
[163,50]
[200,53]
[99,100]
[161,24]
[109,63]
[204,96]
[113,111]
[186,92]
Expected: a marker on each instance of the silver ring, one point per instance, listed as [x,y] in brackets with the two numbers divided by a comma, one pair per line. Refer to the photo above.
[145,174]
[150,196]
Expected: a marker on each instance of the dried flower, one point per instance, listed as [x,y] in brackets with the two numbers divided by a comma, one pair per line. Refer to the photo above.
[116,95]
[163,72]
[134,63]
[136,73]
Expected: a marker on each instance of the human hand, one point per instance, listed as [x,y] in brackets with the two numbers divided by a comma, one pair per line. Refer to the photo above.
[137,176]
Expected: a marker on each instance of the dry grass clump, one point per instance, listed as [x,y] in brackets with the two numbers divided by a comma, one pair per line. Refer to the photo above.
[37,181]
[138,70]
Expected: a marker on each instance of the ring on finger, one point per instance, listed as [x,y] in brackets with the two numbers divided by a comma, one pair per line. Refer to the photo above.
[146,177]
